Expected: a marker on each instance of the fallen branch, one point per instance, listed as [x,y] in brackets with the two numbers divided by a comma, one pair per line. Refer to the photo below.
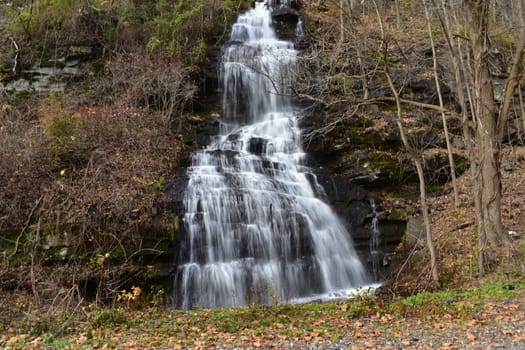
[416,104]
[26,226]
[15,59]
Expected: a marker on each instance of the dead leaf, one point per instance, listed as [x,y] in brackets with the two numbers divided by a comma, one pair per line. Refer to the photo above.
[387,317]
[506,332]
[136,292]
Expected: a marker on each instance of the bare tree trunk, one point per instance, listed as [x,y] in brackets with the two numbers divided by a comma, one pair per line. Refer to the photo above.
[341,21]
[380,21]
[474,170]
[398,15]
[487,128]
[443,116]
[522,10]
[511,83]
[362,68]
[351,4]
[522,109]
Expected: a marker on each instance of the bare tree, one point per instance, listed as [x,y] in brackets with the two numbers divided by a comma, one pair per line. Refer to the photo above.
[490,123]
[480,111]
[484,109]
[416,159]
[443,116]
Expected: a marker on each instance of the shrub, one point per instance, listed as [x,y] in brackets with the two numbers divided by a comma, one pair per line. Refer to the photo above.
[157,84]
[62,129]
[48,22]
[23,166]
[100,318]
[184,28]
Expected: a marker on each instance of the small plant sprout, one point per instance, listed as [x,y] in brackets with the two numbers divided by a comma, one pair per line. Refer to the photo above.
[130,296]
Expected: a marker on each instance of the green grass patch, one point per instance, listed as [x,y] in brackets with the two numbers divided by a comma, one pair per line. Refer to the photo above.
[104,318]
[459,303]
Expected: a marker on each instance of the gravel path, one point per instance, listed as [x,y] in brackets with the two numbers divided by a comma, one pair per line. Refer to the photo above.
[500,325]
[491,335]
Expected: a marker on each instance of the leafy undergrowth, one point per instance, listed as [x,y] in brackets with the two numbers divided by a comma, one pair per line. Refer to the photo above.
[367,318]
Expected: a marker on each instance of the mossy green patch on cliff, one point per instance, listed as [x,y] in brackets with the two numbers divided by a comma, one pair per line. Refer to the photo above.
[361,130]
[388,165]
[400,214]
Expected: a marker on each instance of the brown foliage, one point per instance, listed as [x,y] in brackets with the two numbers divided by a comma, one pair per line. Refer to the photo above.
[20,168]
[154,83]
[100,190]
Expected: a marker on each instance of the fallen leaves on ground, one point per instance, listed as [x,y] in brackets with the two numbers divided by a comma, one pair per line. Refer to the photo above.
[292,326]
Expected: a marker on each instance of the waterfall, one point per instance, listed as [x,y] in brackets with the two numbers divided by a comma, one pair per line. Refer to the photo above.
[375,254]
[255,227]
[299,30]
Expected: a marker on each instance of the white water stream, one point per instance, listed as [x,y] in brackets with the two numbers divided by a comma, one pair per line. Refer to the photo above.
[255,226]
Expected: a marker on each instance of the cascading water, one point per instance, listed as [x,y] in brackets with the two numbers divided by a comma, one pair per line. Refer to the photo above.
[255,226]
[375,254]
[299,31]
